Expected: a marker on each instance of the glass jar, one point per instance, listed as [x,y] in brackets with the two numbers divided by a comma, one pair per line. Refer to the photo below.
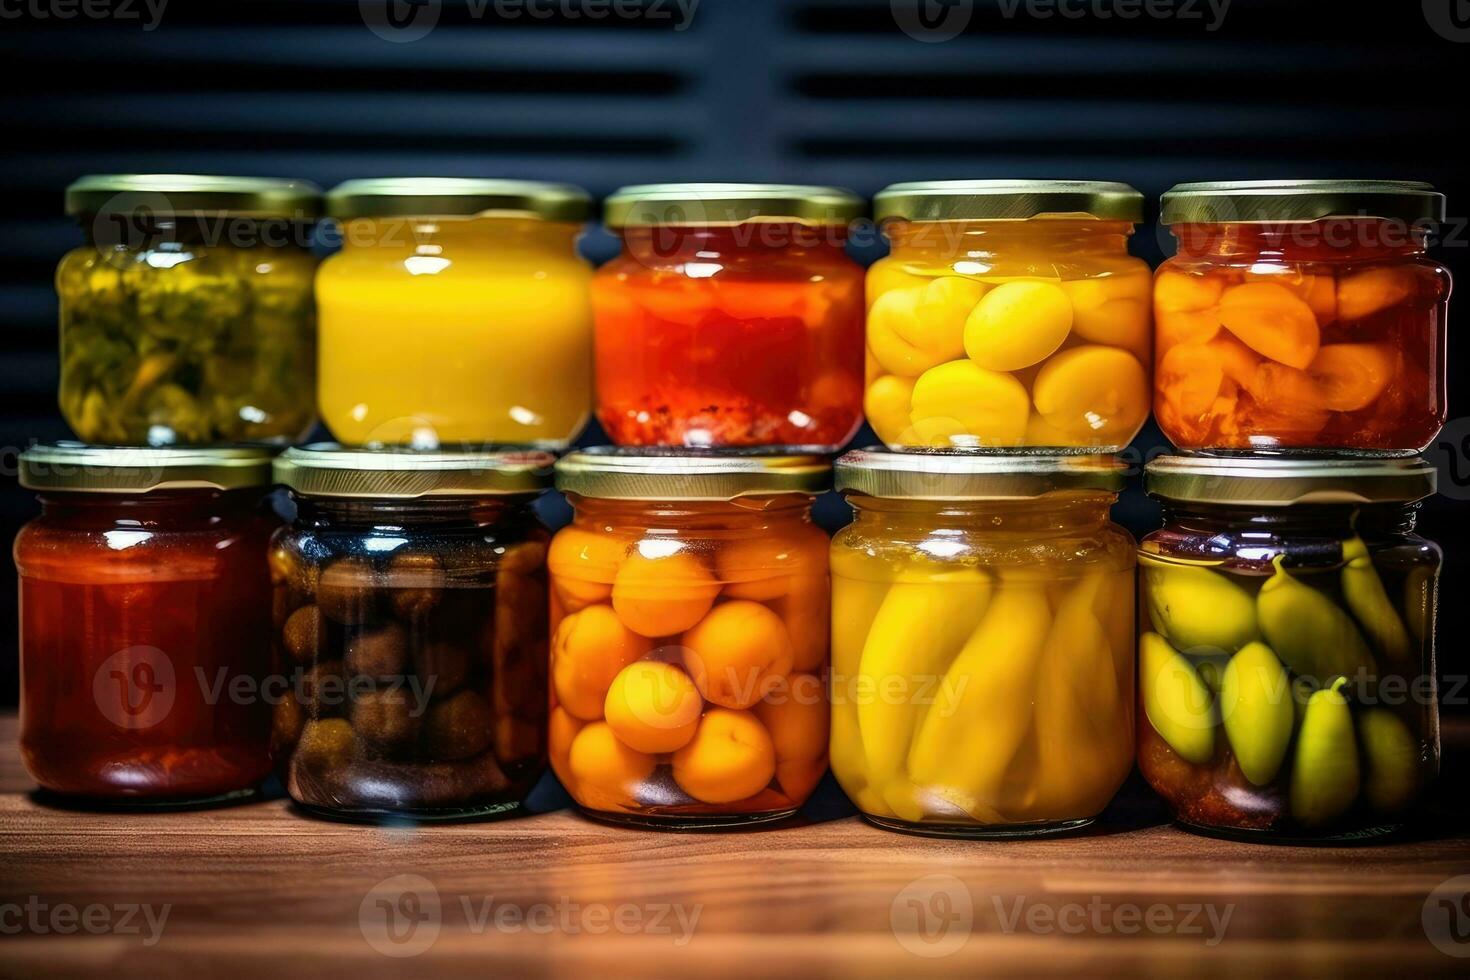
[689,647]
[456,312]
[1008,314]
[410,613]
[187,317]
[982,642]
[144,611]
[733,317]
[1301,315]
[1286,658]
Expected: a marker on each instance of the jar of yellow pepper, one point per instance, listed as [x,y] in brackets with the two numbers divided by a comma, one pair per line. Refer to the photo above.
[982,638]
[1008,314]
[457,312]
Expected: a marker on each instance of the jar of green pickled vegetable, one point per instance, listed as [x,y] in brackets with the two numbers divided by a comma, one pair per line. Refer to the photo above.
[1286,656]
[188,315]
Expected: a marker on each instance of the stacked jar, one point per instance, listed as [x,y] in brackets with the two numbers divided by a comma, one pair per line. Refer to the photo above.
[1286,652]
[982,607]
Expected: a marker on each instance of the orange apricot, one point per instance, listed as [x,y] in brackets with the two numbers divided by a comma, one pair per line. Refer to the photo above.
[1237,361]
[1183,292]
[1272,320]
[796,717]
[806,610]
[1185,327]
[798,777]
[737,653]
[561,731]
[606,774]
[662,588]
[588,650]
[653,707]
[763,568]
[1319,291]
[1352,376]
[583,565]
[730,757]
[1365,293]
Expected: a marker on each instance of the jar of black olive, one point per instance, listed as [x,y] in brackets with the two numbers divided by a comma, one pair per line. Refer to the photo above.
[410,615]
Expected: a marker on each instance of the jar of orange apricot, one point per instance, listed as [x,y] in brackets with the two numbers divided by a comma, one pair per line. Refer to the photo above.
[689,611]
[1301,315]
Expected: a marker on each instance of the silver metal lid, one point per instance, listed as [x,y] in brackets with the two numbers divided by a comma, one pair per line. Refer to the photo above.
[709,205]
[651,473]
[330,470]
[946,474]
[1008,200]
[74,467]
[1227,201]
[1279,481]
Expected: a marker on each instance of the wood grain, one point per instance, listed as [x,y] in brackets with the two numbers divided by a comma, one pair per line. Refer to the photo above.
[261,889]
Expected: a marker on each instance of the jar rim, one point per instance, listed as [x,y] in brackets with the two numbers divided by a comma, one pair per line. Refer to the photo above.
[1008,200]
[672,473]
[330,470]
[194,194]
[1282,481]
[959,474]
[1257,201]
[76,467]
[427,197]
[708,205]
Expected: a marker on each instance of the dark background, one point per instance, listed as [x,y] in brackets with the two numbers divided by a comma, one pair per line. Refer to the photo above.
[819,91]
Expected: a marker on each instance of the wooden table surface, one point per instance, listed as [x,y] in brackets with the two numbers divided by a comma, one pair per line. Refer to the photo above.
[259,888]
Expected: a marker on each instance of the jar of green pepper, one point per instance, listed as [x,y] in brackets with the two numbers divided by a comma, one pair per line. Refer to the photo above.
[187,317]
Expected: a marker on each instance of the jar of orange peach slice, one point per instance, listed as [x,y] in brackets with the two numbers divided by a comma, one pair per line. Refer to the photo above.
[1302,315]
[689,651]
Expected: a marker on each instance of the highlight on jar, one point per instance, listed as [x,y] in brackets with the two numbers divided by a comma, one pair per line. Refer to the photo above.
[457,312]
[689,651]
[144,624]
[732,317]
[1302,315]
[410,617]
[1286,653]
[982,642]
[187,317]
[1008,314]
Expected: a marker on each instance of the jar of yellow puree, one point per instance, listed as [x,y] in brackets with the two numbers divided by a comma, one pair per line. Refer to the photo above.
[457,311]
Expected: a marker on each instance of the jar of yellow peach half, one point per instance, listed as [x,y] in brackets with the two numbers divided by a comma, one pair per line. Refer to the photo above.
[1008,314]
[458,311]
[982,637]
[689,617]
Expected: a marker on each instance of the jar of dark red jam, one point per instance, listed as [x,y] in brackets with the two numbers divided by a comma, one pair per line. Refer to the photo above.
[145,615]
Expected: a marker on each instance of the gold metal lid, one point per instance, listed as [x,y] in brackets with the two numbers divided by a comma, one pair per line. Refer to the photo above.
[952,474]
[194,194]
[401,197]
[707,205]
[1226,201]
[652,473]
[78,468]
[1008,200]
[1280,481]
[328,470]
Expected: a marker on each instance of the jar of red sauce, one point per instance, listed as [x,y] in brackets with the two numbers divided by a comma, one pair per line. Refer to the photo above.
[145,614]
[1301,315]
[733,317]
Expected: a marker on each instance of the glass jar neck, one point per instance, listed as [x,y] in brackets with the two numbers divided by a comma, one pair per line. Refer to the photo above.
[1331,520]
[691,243]
[417,234]
[693,515]
[980,239]
[442,513]
[1058,514]
[1329,240]
[179,510]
